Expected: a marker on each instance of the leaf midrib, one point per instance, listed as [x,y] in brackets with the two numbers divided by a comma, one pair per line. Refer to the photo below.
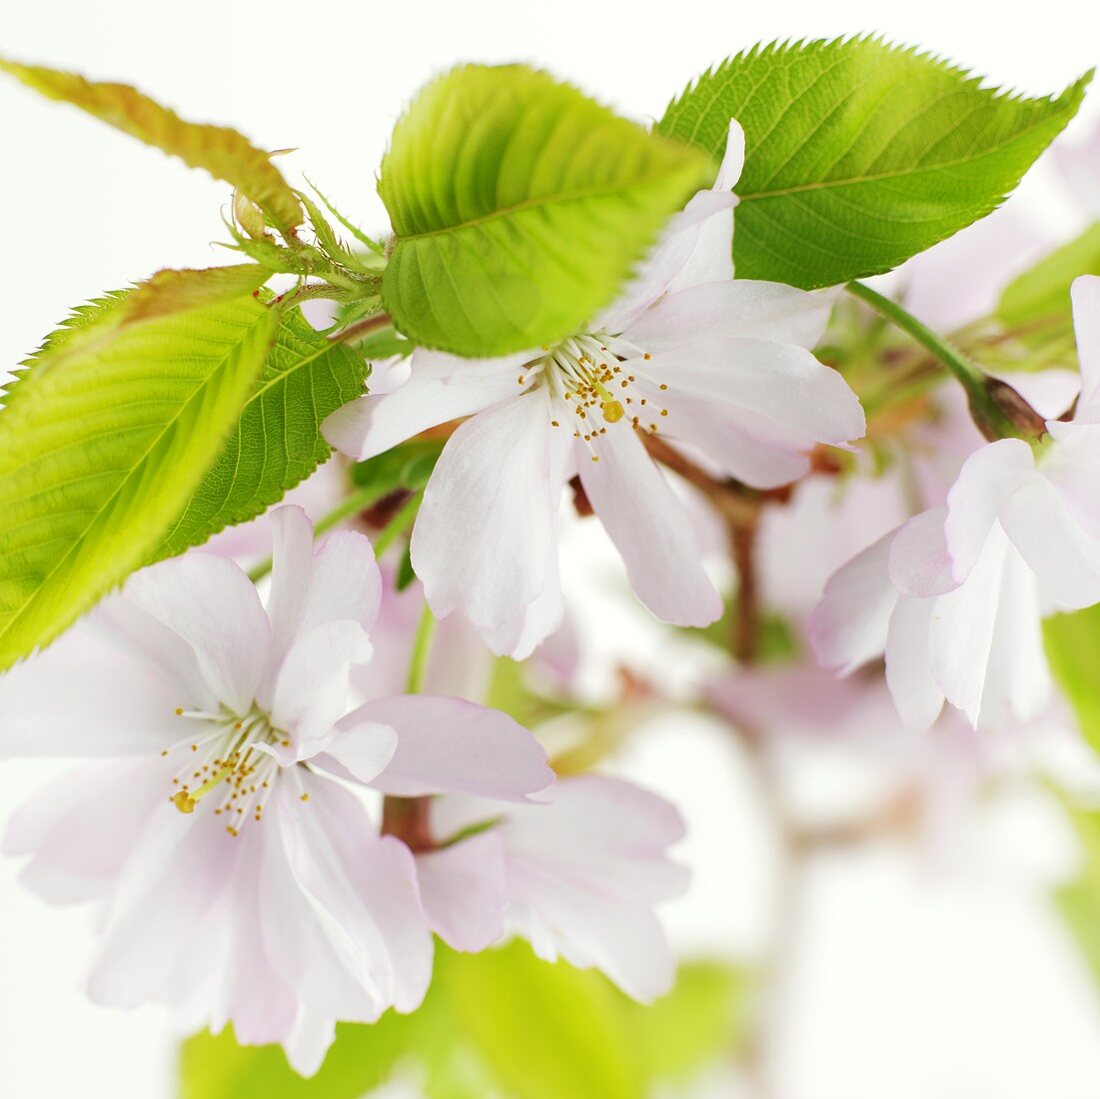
[823,185]
[593,191]
[6,629]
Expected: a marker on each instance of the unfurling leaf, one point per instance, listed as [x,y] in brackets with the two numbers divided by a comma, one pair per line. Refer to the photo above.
[519,207]
[104,436]
[224,153]
[860,154]
[277,441]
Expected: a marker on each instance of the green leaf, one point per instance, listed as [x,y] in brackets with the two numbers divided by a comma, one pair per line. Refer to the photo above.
[277,441]
[860,154]
[1072,643]
[501,1023]
[103,438]
[519,207]
[563,1009]
[1033,321]
[407,466]
[223,152]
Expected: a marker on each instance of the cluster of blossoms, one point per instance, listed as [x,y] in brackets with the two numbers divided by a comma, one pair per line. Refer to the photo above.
[227,837]
[275,831]
[955,597]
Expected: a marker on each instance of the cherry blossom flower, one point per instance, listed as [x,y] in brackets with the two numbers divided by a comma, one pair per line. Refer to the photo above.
[956,596]
[577,874]
[238,873]
[688,353]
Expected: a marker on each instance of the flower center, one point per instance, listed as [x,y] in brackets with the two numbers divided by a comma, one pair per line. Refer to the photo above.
[590,375]
[226,757]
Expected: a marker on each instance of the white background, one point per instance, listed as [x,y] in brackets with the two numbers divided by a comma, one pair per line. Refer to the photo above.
[905,986]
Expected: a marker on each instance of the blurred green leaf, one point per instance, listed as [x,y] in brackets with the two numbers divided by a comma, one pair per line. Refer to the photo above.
[407,466]
[1072,643]
[500,1025]
[1042,292]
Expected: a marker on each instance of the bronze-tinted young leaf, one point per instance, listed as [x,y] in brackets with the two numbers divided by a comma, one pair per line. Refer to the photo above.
[223,152]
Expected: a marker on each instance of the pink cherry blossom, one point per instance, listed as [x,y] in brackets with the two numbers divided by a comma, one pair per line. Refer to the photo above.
[237,871]
[687,352]
[955,597]
[576,873]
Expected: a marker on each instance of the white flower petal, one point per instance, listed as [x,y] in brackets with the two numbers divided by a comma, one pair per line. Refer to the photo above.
[908,673]
[649,527]
[1085,293]
[1064,558]
[984,486]
[781,383]
[961,634]
[850,625]
[342,919]
[82,697]
[214,607]
[440,387]
[733,158]
[335,581]
[449,745]
[736,309]
[80,828]
[487,529]
[310,689]
[463,891]
[919,562]
[359,751]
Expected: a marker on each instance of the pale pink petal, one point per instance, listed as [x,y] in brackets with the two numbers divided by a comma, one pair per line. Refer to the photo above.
[984,486]
[82,697]
[1070,465]
[648,525]
[740,443]
[962,629]
[463,891]
[849,626]
[310,690]
[214,607]
[908,673]
[782,384]
[1064,558]
[80,828]
[342,919]
[622,939]
[919,562]
[449,745]
[1018,684]
[338,580]
[440,387]
[487,528]
[358,750]
[521,633]
[737,309]
[309,1042]
[172,880]
[1085,293]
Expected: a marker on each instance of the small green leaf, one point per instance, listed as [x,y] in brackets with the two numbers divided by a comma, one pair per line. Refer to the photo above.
[277,441]
[103,438]
[860,154]
[223,152]
[1072,643]
[519,207]
[407,466]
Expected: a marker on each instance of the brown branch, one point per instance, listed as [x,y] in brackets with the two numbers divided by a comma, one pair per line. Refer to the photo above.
[409,819]
[362,328]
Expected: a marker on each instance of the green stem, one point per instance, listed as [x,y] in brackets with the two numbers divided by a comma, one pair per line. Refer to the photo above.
[422,650]
[358,501]
[986,412]
[398,524]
